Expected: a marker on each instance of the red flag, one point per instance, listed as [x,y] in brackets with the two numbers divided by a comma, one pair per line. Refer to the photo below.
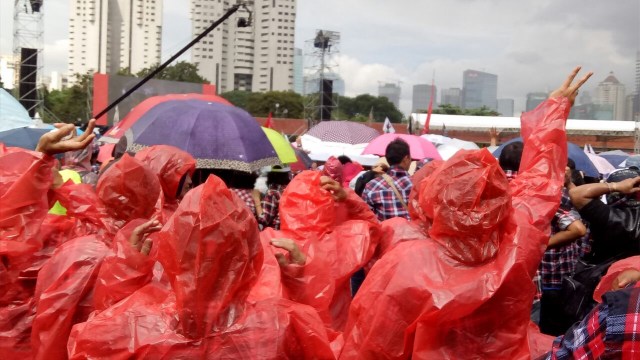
[269,122]
[425,130]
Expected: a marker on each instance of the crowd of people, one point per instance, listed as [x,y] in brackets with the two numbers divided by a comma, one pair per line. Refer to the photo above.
[471,258]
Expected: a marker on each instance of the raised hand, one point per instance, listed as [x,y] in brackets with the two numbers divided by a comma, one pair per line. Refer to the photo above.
[63,139]
[332,186]
[295,254]
[568,89]
[139,237]
[628,186]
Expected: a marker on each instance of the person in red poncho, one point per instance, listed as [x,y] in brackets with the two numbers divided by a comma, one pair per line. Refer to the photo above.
[466,290]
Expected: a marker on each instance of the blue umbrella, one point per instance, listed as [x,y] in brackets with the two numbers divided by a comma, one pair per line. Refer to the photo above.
[615,160]
[218,136]
[12,114]
[26,138]
[575,153]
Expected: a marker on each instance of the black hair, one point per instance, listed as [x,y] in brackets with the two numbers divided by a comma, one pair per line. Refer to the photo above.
[236,179]
[363,181]
[278,178]
[571,164]
[344,159]
[511,155]
[396,151]
[576,178]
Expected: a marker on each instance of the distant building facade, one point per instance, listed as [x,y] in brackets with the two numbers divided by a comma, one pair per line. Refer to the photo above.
[106,36]
[391,92]
[422,96]
[479,89]
[298,71]
[610,92]
[534,99]
[255,58]
[505,107]
[452,96]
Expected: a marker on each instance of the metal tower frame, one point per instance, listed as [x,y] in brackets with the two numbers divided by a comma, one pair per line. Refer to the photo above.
[320,56]
[28,32]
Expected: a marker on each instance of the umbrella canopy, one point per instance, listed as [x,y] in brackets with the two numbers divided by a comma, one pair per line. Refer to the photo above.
[218,136]
[117,131]
[443,140]
[322,150]
[618,161]
[26,138]
[346,132]
[603,166]
[447,151]
[420,148]
[12,114]
[576,154]
[303,161]
[281,145]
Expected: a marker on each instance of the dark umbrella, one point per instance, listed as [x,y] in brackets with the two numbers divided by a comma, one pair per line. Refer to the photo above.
[346,132]
[576,154]
[218,136]
[304,161]
[26,138]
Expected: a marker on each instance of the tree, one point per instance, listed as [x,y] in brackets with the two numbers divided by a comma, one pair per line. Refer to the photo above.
[181,71]
[290,104]
[361,105]
[238,98]
[449,109]
[70,104]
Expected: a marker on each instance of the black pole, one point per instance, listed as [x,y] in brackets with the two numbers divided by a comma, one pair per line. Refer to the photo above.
[229,12]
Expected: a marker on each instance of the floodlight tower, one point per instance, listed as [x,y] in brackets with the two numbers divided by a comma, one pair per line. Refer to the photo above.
[320,63]
[27,47]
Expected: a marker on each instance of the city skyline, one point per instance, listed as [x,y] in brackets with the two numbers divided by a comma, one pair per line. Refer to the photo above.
[545,40]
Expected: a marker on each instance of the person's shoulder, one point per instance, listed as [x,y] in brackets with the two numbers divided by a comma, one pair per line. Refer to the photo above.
[375,184]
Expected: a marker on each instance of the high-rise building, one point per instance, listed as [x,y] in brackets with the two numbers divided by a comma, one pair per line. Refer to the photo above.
[255,58]
[451,96]
[611,92]
[9,73]
[534,99]
[479,89]
[422,97]
[298,71]
[505,107]
[391,92]
[636,100]
[106,36]
[58,81]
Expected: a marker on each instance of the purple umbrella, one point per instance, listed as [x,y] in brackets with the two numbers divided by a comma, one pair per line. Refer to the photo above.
[218,136]
[345,132]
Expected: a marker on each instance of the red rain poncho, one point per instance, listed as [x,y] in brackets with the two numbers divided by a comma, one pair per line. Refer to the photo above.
[342,235]
[211,254]
[25,179]
[466,291]
[65,288]
[170,164]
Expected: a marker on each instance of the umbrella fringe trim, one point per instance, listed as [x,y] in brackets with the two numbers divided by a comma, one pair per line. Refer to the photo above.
[223,163]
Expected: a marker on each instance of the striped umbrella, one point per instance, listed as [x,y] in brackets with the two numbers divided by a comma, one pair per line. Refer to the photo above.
[346,132]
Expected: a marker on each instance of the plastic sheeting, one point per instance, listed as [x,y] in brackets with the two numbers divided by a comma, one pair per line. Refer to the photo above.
[212,256]
[170,164]
[484,238]
[617,268]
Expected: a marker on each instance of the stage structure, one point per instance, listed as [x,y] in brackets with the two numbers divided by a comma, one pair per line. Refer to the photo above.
[320,61]
[28,41]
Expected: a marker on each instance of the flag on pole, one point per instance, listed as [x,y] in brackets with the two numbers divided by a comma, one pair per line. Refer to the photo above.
[269,122]
[371,115]
[425,129]
[387,127]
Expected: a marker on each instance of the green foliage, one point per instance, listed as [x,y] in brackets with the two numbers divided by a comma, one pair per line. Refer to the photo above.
[449,109]
[260,104]
[70,104]
[181,71]
[360,106]
[238,98]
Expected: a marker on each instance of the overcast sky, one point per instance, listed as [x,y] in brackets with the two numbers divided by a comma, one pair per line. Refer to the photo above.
[530,45]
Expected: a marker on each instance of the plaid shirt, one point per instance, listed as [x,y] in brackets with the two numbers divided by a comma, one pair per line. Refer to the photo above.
[246,195]
[381,198]
[610,331]
[270,205]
